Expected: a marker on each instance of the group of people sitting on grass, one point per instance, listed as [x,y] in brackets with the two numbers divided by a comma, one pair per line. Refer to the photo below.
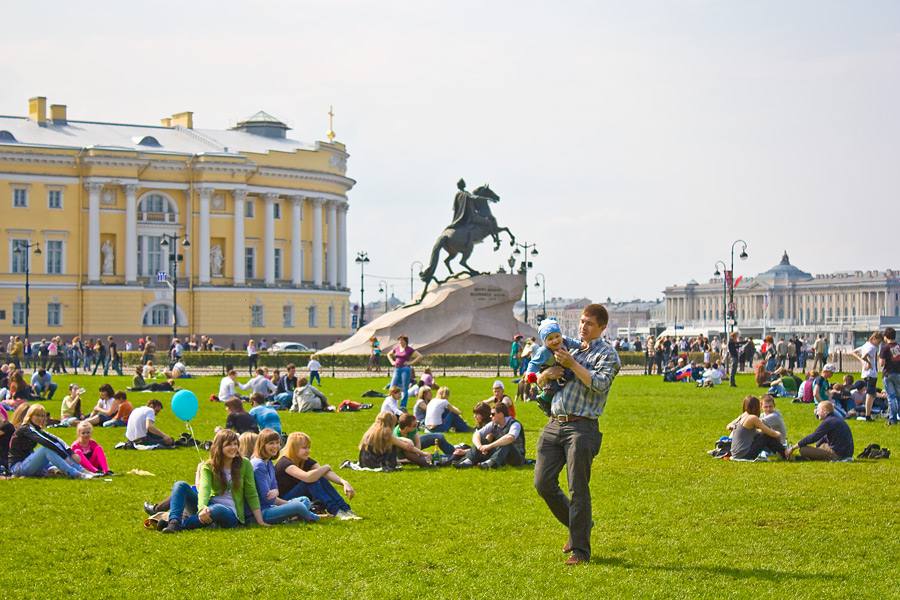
[279,391]
[251,478]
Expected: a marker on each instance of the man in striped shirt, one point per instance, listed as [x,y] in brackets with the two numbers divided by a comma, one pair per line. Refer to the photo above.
[572,438]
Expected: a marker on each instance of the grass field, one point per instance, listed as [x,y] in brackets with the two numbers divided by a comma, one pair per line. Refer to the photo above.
[671,522]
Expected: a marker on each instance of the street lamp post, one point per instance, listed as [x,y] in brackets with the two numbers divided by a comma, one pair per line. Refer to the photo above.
[23,250]
[724,299]
[543,286]
[743,256]
[168,243]
[523,266]
[411,266]
[361,259]
[383,289]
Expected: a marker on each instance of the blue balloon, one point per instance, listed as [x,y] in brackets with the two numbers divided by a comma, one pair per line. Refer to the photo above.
[185,405]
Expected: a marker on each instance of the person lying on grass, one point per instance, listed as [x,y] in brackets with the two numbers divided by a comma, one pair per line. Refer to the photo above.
[380,446]
[33,451]
[88,452]
[299,475]
[750,436]
[226,495]
[275,509]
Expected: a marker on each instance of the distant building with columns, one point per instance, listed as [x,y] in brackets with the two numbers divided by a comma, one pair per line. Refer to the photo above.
[785,300]
[265,217]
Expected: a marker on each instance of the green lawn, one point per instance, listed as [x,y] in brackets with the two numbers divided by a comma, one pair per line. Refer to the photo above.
[671,522]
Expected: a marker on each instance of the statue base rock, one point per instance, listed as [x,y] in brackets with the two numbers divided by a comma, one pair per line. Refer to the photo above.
[464,316]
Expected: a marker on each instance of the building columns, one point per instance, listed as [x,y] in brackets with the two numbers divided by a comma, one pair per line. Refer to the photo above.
[238,241]
[205,195]
[93,269]
[297,242]
[332,254]
[342,245]
[269,237]
[317,241]
[130,233]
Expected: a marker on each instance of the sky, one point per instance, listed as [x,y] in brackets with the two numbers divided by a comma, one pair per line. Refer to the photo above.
[632,142]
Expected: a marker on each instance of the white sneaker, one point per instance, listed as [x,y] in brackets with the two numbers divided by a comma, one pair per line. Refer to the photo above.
[85,475]
[348,515]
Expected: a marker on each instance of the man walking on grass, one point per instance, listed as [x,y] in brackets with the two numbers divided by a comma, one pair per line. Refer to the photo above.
[572,438]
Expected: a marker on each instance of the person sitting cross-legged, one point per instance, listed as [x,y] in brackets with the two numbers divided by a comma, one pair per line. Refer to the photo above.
[832,438]
[441,416]
[500,442]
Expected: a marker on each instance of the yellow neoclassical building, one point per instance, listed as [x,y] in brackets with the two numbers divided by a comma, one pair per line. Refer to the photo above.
[259,222]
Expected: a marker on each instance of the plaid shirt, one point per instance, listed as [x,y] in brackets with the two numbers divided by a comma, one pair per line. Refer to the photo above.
[602,362]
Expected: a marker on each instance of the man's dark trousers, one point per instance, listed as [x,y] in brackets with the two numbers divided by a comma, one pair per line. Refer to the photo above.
[572,445]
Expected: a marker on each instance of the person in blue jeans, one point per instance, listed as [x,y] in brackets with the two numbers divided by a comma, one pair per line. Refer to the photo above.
[890,367]
[441,416]
[403,357]
[42,383]
[275,509]
[298,475]
[32,451]
[226,492]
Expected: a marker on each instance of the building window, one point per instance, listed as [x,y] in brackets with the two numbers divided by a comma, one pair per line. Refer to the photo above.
[156,208]
[54,257]
[248,208]
[276,210]
[20,197]
[54,314]
[277,263]
[158,315]
[152,263]
[331,316]
[250,263]
[21,258]
[256,315]
[311,316]
[18,317]
[54,199]
[287,315]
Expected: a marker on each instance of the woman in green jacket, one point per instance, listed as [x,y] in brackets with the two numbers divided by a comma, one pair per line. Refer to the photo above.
[226,491]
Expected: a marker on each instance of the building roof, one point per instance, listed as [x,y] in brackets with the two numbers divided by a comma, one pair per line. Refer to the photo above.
[179,140]
[784,272]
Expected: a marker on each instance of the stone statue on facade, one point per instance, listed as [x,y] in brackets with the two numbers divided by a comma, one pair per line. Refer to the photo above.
[109,258]
[216,260]
[472,222]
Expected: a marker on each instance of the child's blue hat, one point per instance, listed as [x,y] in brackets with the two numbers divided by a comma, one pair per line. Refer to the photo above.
[547,327]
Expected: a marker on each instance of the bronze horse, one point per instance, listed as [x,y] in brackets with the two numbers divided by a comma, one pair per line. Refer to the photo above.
[473,221]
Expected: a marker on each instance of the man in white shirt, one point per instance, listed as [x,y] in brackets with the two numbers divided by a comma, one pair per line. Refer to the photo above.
[227,387]
[261,384]
[868,356]
[141,428]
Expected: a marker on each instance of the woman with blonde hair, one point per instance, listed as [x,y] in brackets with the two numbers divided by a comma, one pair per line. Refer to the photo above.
[299,475]
[275,509]
[226,493]
[32,451]
[247,443]
[378,447]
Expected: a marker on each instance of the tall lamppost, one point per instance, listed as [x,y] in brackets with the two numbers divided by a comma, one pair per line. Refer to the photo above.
[411,266]
[361,259]
[724,299]
[743,256]
[523,266]
[23,251]
[174,259]
[543,286]
[382,289]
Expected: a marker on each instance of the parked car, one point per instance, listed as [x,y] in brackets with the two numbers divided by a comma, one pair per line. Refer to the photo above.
[279,347]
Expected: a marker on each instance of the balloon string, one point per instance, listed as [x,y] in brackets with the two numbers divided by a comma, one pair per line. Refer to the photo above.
[187,424]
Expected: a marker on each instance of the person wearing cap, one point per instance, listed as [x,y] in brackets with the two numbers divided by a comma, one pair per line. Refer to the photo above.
[572,437]
[543,358]
[499,396]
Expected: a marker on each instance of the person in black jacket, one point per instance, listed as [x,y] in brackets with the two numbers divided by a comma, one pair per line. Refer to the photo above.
[33,451]
[284,393]
[238,419]
[832,438]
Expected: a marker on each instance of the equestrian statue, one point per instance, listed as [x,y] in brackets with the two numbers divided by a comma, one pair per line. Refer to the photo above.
[472,222]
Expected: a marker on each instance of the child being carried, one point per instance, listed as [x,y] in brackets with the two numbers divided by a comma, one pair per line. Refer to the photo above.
[543,358]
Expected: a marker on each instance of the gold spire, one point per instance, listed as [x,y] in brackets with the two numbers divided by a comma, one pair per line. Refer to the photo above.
[330,133]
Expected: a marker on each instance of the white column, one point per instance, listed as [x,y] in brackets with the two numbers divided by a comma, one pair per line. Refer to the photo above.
[269,237]
[205,196]
[94,231]
[238,238]
[342,245]
[332,254]
[317,241]
[130,233]
[296,242]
